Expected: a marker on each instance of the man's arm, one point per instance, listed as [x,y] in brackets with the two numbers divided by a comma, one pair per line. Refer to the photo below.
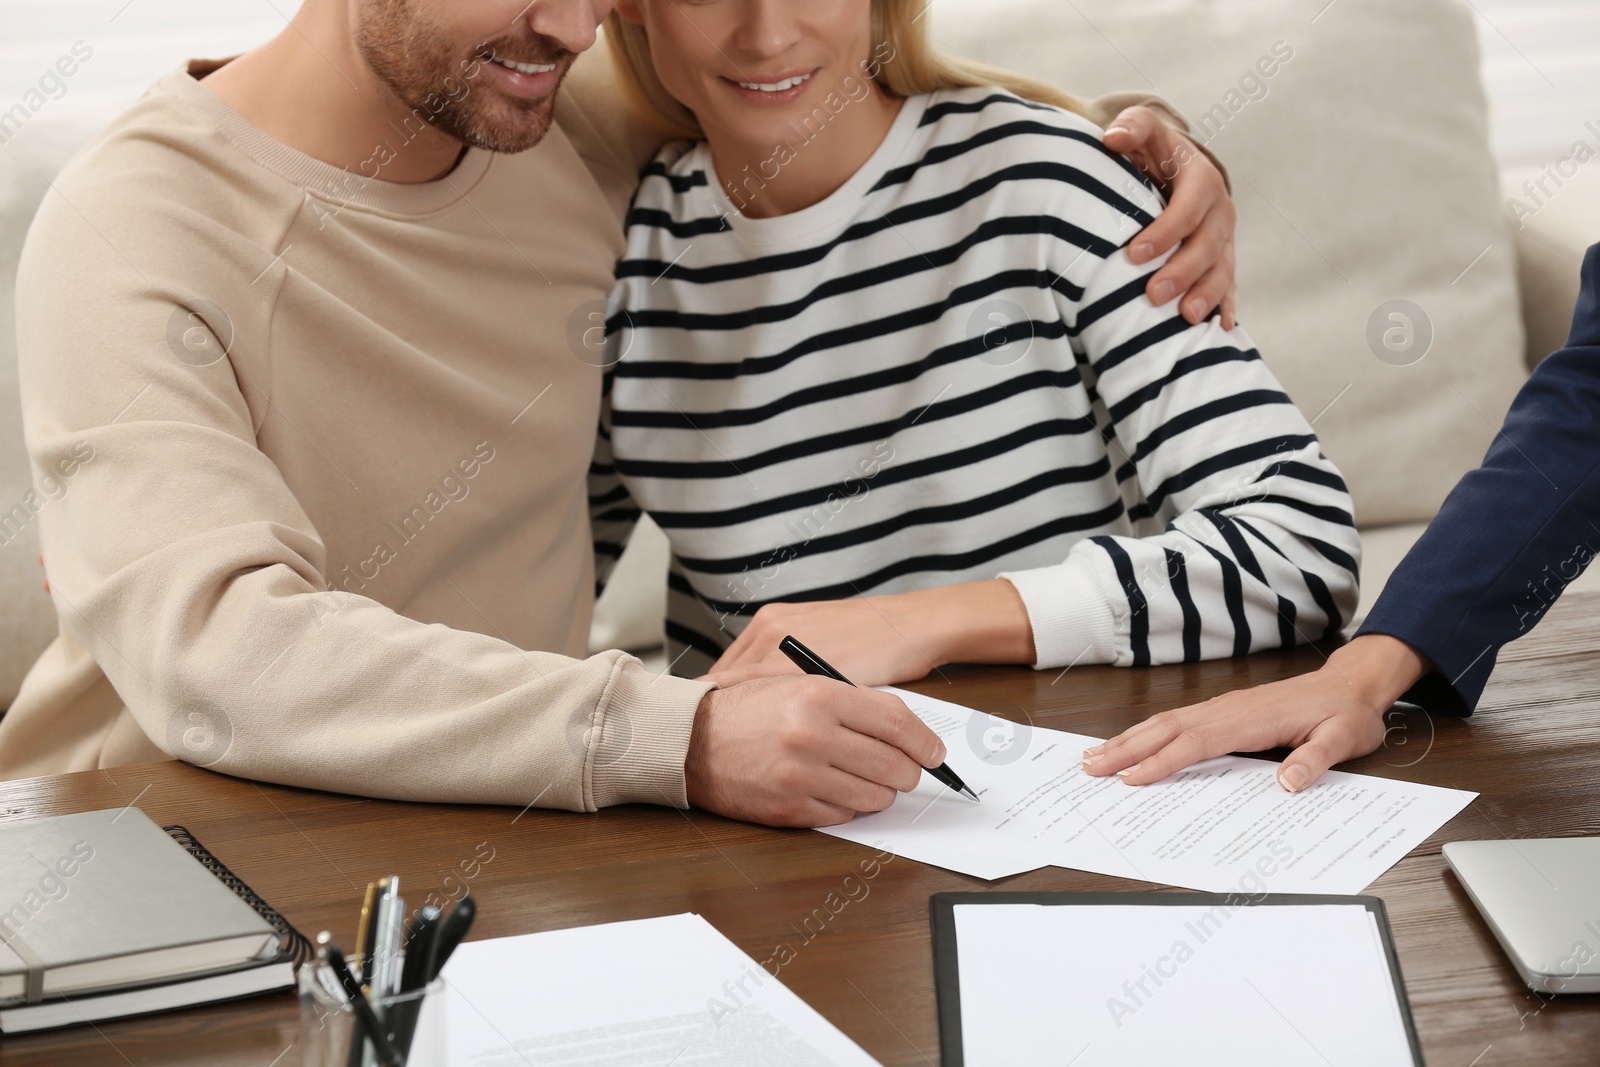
[185,564]
[1506,542]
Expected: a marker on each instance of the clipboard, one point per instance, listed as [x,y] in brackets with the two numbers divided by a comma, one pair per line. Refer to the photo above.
[946,949]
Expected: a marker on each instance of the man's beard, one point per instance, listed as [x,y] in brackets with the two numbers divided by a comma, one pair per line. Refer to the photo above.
[431,80]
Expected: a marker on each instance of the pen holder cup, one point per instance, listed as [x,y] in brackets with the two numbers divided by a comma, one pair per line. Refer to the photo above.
[328,1023]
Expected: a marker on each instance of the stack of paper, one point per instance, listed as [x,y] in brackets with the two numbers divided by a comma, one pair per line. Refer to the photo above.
[644,993]
[1224,825]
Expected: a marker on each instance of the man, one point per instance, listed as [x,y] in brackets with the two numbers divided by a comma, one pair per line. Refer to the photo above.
[1507,541]
[305,340]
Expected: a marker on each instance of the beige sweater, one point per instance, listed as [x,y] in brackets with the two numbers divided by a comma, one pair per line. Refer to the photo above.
[324,442]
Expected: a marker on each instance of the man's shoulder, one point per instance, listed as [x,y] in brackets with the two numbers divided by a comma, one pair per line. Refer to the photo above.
[157,146]
[159,177]
[613,136]
[155,210]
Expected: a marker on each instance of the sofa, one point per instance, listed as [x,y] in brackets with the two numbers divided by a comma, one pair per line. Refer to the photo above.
[1381,272]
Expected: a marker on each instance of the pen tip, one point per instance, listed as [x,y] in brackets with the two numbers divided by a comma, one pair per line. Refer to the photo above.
[967,792]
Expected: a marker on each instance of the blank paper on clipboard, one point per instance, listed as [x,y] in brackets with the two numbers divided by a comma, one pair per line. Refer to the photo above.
[1096,979]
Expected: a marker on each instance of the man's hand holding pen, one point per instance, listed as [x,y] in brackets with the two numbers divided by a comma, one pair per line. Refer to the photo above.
[805,751]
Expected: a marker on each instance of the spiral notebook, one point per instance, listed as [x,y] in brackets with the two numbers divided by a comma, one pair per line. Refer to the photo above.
[105,914]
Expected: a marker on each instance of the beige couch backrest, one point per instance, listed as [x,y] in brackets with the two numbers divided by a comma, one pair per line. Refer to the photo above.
[27,163]
[1356,137]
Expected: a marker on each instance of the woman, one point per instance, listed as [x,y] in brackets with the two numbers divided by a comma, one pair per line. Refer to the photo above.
[888,380]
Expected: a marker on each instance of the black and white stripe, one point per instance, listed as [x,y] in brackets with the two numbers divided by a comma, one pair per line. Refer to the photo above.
[947,371]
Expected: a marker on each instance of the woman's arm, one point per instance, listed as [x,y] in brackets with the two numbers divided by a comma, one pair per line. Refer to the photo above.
[1248,541]
[881,640]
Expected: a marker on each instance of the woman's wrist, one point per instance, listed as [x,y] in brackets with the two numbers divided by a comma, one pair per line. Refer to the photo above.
[972,622]
[1380,668]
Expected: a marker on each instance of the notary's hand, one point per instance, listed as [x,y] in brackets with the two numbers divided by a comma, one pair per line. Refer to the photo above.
[1199,213]
[1328,716]
[804,751]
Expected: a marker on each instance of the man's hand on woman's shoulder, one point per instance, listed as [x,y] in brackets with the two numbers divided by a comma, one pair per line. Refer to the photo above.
[1199,214]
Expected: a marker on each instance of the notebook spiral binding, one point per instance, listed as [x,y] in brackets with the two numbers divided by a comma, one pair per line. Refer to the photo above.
[292,942]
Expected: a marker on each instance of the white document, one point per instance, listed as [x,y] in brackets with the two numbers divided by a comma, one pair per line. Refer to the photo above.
[1111,985]
[644,993]
[1223,825]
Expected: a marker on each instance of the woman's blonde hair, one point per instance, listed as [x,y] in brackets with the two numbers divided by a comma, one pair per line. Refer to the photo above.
[904,58]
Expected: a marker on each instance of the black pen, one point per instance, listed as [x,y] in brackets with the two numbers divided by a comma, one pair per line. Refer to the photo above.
[421,937]
[451,932]
[812,663]
[365,1019]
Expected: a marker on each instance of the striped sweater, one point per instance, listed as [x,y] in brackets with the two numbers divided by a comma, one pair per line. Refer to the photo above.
[948,371]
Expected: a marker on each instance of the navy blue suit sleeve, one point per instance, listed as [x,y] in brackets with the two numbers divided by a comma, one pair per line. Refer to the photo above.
[1514,532]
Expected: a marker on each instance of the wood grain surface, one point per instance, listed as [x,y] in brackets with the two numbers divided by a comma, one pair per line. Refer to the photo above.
[1532,751]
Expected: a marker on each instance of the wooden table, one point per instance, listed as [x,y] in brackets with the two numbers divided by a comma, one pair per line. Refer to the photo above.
[1533,752]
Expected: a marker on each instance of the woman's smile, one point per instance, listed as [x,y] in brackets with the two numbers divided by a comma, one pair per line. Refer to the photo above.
[772,90]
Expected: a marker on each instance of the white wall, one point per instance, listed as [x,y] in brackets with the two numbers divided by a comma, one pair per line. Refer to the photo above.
[1541,66]
[132,41]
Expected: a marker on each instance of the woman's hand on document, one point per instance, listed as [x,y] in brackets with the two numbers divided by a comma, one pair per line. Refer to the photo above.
[882,640]
[1327,716]
[1199,213]
[804,751]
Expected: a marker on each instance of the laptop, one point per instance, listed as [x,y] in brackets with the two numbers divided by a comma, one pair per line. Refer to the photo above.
[1541,897]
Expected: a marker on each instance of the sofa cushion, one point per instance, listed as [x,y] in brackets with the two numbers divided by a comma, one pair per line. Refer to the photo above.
[27,618]
[631,612]
[1356,138]
[1555,224]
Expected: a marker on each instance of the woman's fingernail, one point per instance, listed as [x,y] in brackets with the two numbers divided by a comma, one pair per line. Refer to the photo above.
[1162,293]
[1141,251]
[1117,129]
[1090,760]
[1127,771]
[1098,750]
[1196,310]
[1293,778]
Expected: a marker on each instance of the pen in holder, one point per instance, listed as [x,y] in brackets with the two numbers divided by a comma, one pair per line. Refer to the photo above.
[329,1022]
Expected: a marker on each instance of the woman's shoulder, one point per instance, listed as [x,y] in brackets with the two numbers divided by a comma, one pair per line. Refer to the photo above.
[1052,152]
[676,172]
[994,127]
[973,109]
